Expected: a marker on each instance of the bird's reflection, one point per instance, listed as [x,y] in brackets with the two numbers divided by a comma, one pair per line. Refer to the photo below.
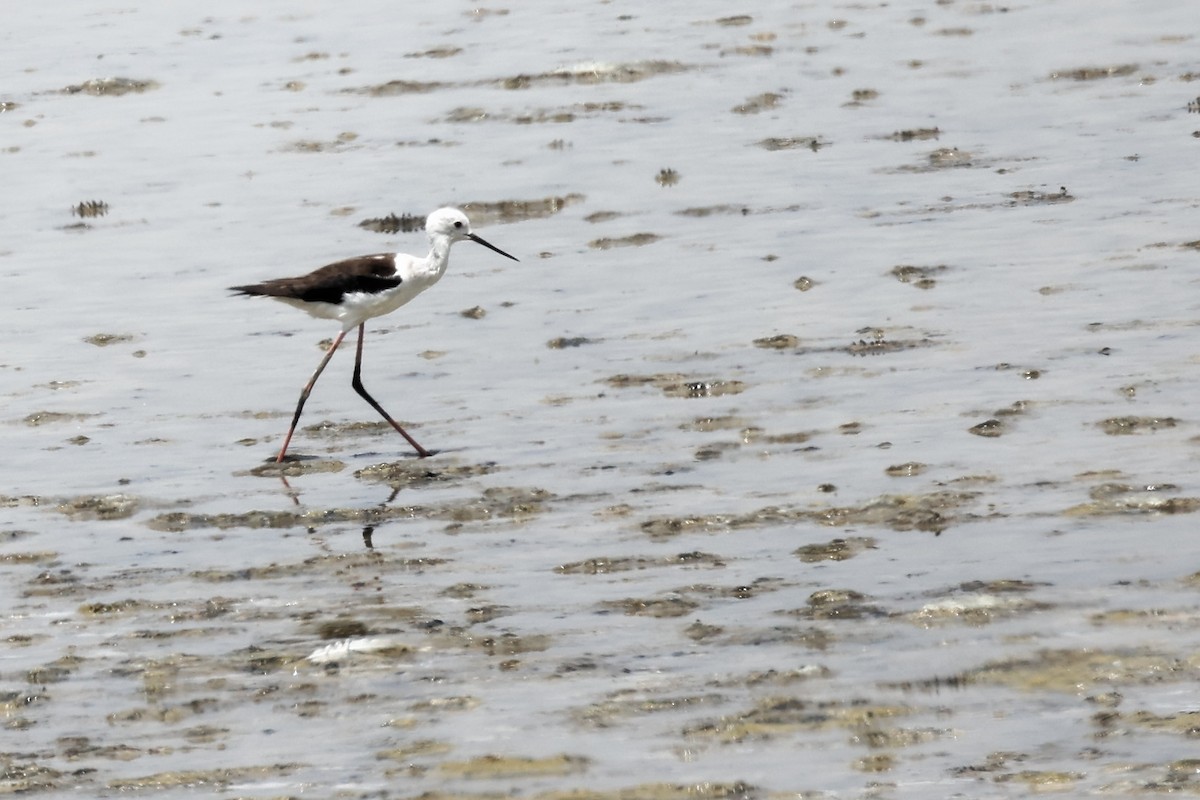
[368,530]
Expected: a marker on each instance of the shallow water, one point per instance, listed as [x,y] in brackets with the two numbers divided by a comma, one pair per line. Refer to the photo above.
[832,437]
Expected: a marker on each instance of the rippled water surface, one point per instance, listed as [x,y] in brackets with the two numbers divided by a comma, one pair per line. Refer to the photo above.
[834,436]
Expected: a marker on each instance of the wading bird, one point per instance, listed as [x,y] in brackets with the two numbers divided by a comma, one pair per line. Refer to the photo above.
[357,289]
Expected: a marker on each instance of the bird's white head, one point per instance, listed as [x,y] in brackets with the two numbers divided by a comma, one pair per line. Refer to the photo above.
[448,222]
[452,225]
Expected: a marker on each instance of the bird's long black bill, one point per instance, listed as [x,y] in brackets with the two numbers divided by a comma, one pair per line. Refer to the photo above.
[478,240]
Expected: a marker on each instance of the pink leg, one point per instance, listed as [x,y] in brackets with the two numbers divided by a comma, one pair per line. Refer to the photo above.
[308,390]
[358,387]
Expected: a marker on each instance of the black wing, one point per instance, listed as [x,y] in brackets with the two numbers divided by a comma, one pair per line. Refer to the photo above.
[329,284]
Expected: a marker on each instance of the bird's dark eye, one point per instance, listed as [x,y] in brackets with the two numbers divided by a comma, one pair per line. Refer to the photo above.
[458,224]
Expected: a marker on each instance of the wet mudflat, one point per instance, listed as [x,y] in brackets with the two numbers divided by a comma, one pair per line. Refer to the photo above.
[833,438]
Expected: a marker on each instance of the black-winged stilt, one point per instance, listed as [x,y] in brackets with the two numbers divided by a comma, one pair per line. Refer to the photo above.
[357,289]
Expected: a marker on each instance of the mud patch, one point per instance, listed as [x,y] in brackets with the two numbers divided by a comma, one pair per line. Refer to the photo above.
[594,73]
[941,159]
[836,549]
[1128,426]
[391,224]
[295,466]
[506,211]
[879,344]
[1095,73]
[1117,499]
[111,87]
[423,472]
[758,103]
[565,342]
[913,135]
[787,716]
[1087,670]
[933,513]
[107,339]
[677,385]
[813,143]
[667,177]
[508,503]
[920,277]
[90,208]
[101,507]
[495,767]
[1031,197]
[975,608]
[633,240]
[605,565]
[395,88]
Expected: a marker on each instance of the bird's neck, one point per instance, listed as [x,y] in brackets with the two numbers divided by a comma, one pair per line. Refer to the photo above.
[438,258]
